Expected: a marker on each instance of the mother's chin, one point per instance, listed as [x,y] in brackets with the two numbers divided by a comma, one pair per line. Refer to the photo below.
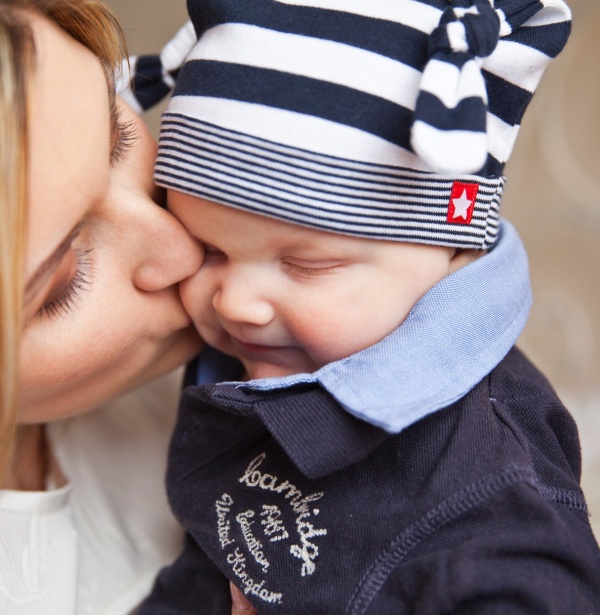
[55,390]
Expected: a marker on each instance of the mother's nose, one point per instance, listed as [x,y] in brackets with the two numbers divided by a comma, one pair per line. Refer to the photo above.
[167,253]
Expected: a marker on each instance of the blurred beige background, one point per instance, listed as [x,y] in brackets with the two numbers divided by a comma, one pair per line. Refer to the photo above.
[553,198]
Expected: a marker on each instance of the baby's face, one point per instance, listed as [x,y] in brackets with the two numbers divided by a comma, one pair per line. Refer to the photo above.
[286,299]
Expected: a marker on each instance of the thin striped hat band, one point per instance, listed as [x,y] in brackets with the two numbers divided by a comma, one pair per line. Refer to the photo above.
[389,119]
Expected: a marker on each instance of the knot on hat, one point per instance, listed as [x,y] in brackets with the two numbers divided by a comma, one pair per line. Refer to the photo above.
[474,30]
[144,81]
[449,128]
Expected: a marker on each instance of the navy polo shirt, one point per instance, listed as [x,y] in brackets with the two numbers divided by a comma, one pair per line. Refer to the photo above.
[436,472]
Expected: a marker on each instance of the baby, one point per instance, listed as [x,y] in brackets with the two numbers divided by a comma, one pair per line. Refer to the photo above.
[360,435]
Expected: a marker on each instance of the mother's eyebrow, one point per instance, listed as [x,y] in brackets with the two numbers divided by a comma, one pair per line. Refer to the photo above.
[112,109]
[37,280]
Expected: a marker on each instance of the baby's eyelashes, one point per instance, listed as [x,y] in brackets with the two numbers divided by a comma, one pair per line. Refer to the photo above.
[310,269]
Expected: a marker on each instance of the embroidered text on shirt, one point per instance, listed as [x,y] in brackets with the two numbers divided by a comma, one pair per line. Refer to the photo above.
[254,544]
[238,565]
[307,550]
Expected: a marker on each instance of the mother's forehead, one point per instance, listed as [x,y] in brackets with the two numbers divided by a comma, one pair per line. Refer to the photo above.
[68,137]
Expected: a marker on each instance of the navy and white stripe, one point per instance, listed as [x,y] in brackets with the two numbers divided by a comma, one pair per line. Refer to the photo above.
[337,88]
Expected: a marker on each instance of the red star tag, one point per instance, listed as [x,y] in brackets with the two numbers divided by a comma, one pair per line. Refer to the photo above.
[462,203]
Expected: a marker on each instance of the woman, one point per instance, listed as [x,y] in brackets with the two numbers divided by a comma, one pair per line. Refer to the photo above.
[89,309]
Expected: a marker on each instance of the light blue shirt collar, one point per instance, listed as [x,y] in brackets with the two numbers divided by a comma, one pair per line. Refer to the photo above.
[452,338]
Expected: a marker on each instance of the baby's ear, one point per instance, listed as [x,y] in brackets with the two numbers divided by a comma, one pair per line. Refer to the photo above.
[461,258]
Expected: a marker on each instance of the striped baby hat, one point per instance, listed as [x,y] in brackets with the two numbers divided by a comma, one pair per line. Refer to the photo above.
[389,119]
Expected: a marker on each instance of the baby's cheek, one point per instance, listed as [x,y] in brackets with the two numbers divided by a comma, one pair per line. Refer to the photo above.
[328,337]
[196,297]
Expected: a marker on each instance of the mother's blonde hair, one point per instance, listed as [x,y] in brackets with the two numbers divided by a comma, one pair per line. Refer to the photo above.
[91,23]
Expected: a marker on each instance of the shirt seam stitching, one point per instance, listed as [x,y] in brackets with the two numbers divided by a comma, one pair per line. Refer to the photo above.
[452,507]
